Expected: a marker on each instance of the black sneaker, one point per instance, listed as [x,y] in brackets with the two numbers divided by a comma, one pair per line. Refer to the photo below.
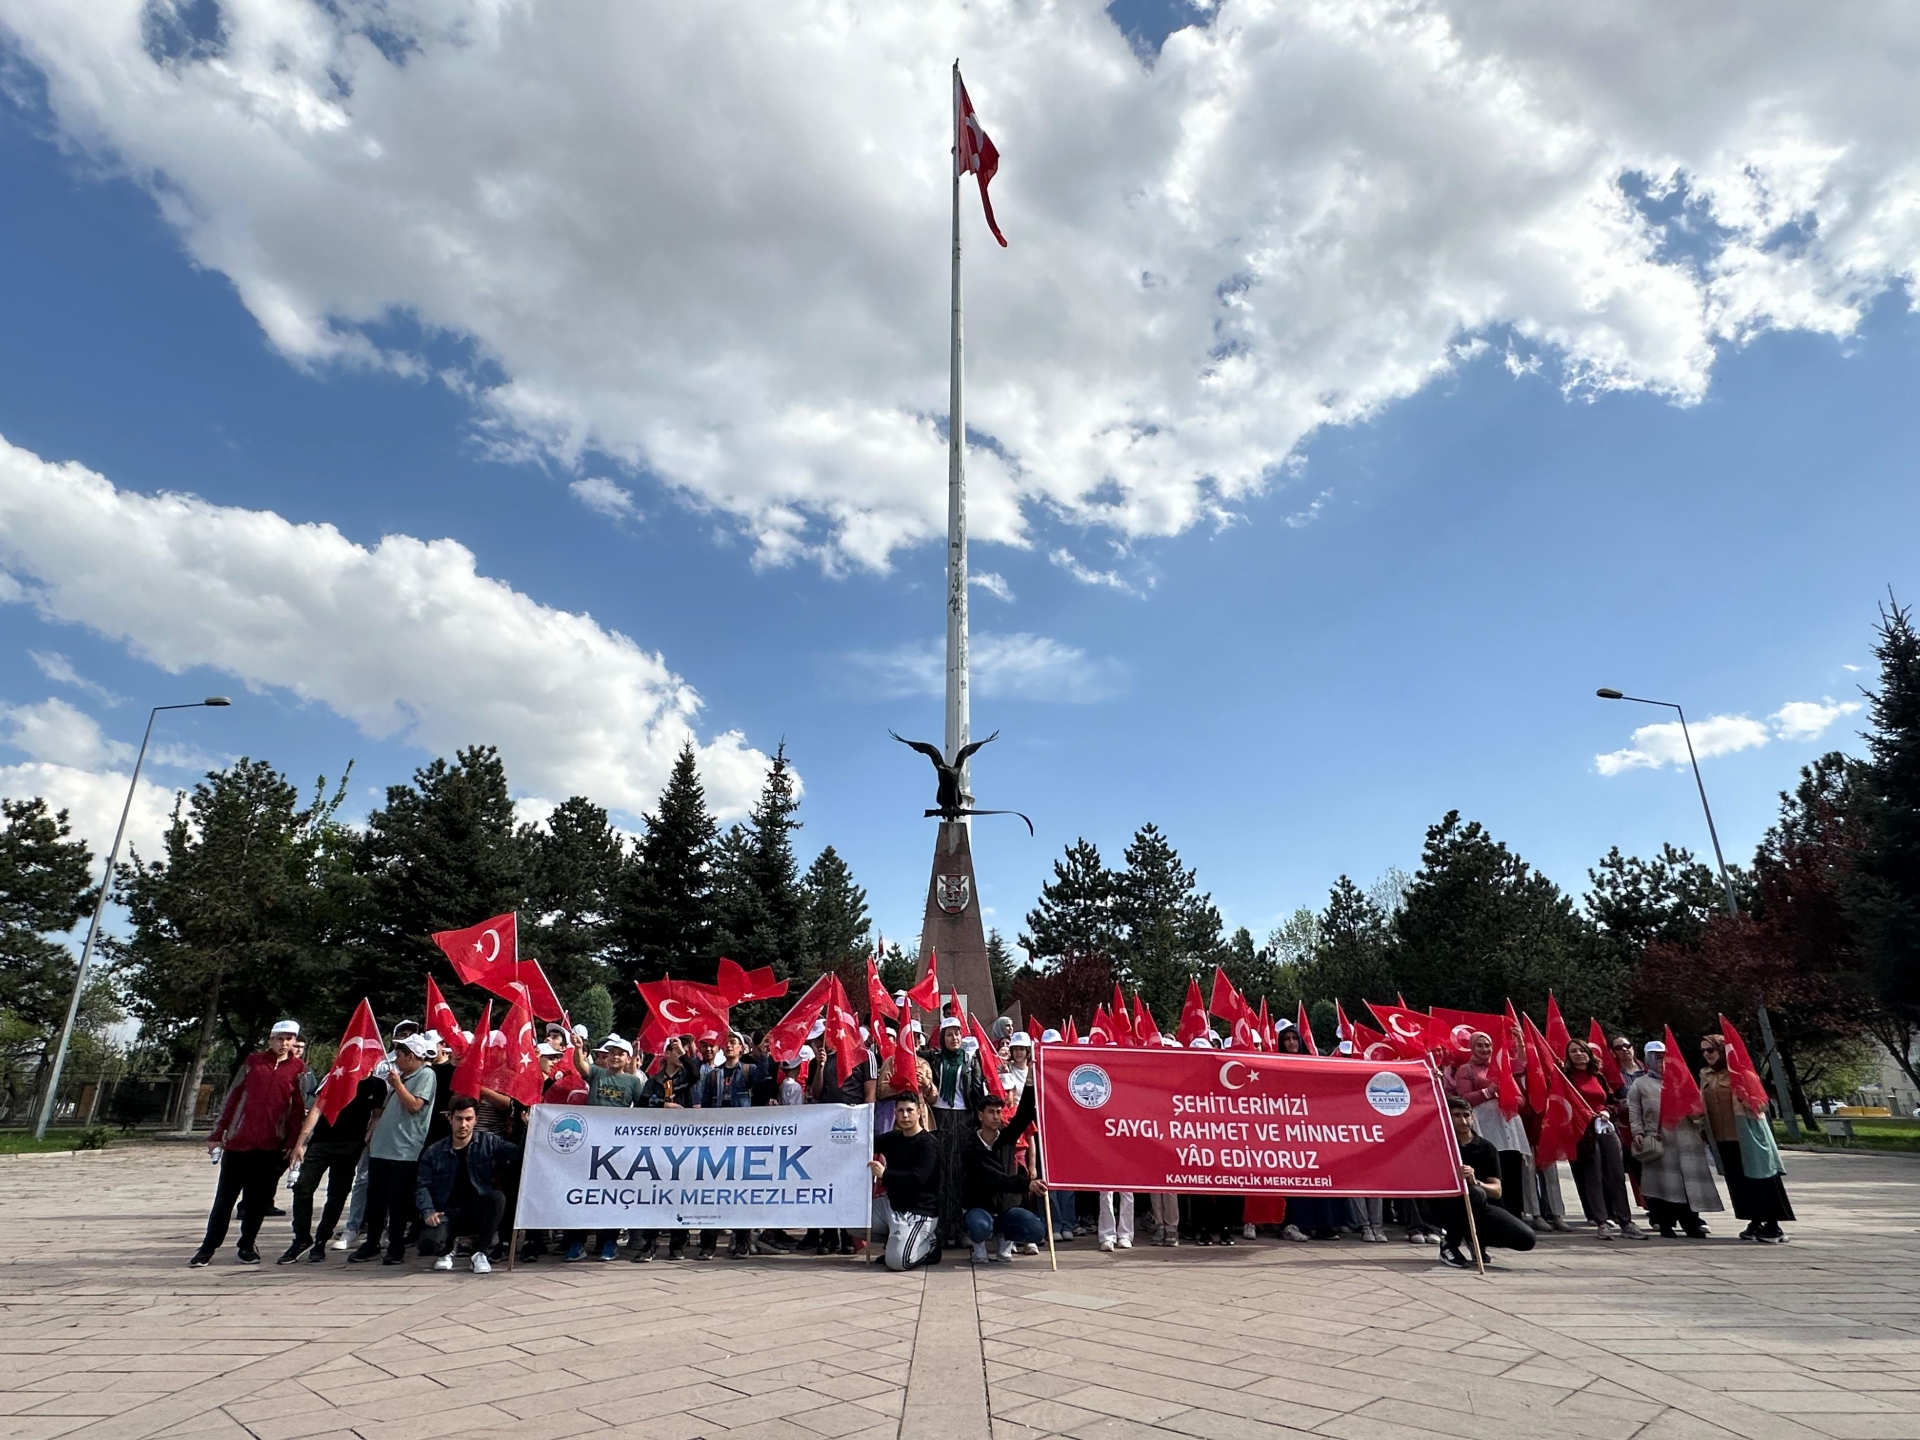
[644,1255]
[1451,1256]
[703,1253]
[294,1252]
[317,1255]
[363,1254]
[676,1252]
[200,1260]
[247,1257]
[393,1259]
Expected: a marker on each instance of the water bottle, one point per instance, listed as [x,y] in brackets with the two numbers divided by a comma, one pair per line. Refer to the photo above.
[215,1153]
[293,1176]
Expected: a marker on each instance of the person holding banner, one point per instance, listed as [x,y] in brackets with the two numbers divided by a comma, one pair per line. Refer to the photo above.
[454,1188]
[991,1172]
[728,1083]
[1497,1228]
[906,1162]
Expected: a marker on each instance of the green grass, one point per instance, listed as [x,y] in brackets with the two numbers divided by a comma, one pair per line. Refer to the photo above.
[21,1142]
[1869,1133]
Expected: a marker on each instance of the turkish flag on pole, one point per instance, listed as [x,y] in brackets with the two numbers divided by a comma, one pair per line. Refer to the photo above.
[1145,1030]
[471,1073]
[1406,1029]
[1226,1002]
[1193,1016]
[1557,1033]
[1069,1032]
[926,994]
[973,152]
[1539,1062]
[1679,1091]
[790,1033]
[1122,1018]
[521,1074]
[879,1002]
[843,1026]
[1100,1031]
[1566,1118]
[360,1053]
[1306,1030]
[1451,1031]
[1747,1084]
[1505,1088]
[740,986]
[680,1007]
[1609,1067]
[989,1057]
[488,955]
[440,1017]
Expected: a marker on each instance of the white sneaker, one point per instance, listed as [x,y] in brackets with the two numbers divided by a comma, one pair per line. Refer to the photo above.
[445,1262]
[1247,1232]
[1032,1247]
[346,1240]
[979,1252]
[1292,1232]
[1125,1242]
[1106,1245]
[1002,1251]
[481,1265]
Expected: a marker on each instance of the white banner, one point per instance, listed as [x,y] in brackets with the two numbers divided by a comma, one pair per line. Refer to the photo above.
[591,1167]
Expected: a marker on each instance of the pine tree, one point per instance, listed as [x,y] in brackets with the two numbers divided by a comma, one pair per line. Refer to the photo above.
[575,864]
[897,969]
[999,964]
[760,911]
[1883,893]
[837,927]
[1075,913]
[1168,932]
[664,912]
[1350,961]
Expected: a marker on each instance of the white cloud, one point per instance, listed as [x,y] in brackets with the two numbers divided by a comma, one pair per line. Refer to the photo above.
[716,248]
[56,732]
[994,585]
[598,493]
[1809,719]
[1665,744]
[1087,575]
[57,668]
[1017,666]
[94,799]
[405,639]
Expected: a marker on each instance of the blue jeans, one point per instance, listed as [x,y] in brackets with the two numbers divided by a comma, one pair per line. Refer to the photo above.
[1022,1227]
[1065,1207]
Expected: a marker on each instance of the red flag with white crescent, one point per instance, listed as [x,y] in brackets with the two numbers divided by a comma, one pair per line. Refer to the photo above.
[1306,1030]
[739,986]
[1557,1033]
[471,1073]
[1406,1029]
[681,1007]
[440,1017]
[790,1032]
[520,1074]
[1145,1030]
[926,993]
[989,1057]
[879,1002]
[1603,1052]
[973,152]
[488,955]
[1679,1092]
[1747,1084]
[360,1053]
[1193,1016]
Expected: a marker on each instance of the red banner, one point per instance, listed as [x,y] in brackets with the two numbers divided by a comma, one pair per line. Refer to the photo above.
[1257,1124]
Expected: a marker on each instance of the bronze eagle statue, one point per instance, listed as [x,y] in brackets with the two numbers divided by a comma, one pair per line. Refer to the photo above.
[949,802]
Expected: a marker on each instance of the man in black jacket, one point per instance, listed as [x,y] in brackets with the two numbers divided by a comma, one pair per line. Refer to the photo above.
[991,1176]
[906,1161]
[456,1191]
[330,1152]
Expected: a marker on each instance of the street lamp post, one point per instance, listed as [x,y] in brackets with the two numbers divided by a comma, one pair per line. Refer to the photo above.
[1733,906]
[100,905]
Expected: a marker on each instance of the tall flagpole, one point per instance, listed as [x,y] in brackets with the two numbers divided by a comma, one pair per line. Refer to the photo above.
[958,710]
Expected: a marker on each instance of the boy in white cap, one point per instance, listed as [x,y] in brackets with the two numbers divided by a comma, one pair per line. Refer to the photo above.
[254,1134]
[393,1150]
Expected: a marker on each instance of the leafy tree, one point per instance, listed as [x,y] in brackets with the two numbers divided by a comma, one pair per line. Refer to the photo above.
[575,862]
[1074,915]
[1168,932]
[663,918]
[1635,903]
[1883,893]
[228,928]
[45,890]
[1253,972]
[837,927]
[443,853]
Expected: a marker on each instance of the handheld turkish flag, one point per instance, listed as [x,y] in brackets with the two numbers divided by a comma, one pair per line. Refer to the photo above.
[989,1057]
[1539,1063]
[1342,1027]
[471,1073]
[520,1074]
[1193,1016]
[740,986]
[1557,1033]
[926,992]
[1505,1088]
[1069,1032]
[973,152]
[488,955]
[879,1002]
[1679,1091]
[906,1061]
[360,1053]
[1269,1038]
[679,1007]
[1100,1032]
[1406,1029]
[1145,1030]
[440,1017]
[1122,1018]
[1565,1119]
[790,1033]
[1747,1084]
[1609,1067]
[1226,1002]
[1035,1029]
[1306,1030]
[1451,1031]
[843,1027]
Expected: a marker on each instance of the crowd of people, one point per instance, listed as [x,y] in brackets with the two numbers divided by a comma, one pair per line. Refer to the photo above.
[407,1161]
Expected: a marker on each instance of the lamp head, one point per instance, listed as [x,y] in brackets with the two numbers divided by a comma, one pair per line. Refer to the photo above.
[216,700]
[1608,694]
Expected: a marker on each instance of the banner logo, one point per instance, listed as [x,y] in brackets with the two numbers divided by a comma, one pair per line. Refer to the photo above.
[844,1132]
[1388,1093]
[951,892]
[567,1134]
[1089,1086]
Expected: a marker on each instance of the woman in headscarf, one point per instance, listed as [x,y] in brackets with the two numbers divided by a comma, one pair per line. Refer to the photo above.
[1676,1173]
[1473,1081]
[957,1085]
[1599,1171]
[1743,1140]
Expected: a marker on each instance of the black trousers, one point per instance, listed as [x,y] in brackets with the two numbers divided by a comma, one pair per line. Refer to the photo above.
[1601,1177]
[336,1167]
[480,1220]
[1499,1228]
[389,1203]
[248,1177]
[1513,1177]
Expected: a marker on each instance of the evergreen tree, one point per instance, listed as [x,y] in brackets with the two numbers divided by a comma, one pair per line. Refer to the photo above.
[593,1008]
[1251,970]
[45,890]
[837,927]
[1075,911]
[576,860]
[1168,932]
[444,853]
[1883,892]
[758,904]
[1350,962]
[897,969]
[1635,903]
[664,912]
[1000,964]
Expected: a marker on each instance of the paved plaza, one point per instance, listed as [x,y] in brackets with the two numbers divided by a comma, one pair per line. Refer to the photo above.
[107,1334]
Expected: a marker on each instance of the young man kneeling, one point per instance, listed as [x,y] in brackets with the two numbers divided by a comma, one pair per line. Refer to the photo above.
[1498,1228]
[458,1190]
[906,1161]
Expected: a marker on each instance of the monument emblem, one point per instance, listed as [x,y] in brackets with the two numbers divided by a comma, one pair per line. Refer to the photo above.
[952,892]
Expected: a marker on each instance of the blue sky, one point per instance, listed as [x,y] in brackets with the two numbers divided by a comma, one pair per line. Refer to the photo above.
[1409,614]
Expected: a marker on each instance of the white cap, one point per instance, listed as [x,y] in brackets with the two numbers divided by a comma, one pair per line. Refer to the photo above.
[1049,1036]
[969,1044]
[434,1036]
[580,1032]
[900,998]
[1200,1042]
[1083,1039]
[546,1051]
[1346,1047]
[1019,1037]
[1170,1041]
[952,1022]
[819,1029]
[417,1045]
[1280,1025]
[285,1027]
[865,1034]
[1654,1047]
[614,1042]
